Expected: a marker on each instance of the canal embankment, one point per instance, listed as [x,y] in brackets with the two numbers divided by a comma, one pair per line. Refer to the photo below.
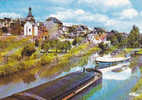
[136,92]
[47,60]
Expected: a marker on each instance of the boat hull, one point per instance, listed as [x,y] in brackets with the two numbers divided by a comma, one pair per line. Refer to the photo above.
[104,64]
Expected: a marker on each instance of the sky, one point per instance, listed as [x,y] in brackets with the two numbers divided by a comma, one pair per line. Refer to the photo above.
[119,15]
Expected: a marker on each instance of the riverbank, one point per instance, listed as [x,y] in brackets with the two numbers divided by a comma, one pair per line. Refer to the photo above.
[52,59]
[136,92]
[42,74]
[37,76]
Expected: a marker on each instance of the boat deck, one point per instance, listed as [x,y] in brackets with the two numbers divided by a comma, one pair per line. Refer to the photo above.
[56,89]
[111,59]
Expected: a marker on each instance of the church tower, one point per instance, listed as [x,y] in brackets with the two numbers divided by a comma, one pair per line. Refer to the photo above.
[30,17]
[30,26]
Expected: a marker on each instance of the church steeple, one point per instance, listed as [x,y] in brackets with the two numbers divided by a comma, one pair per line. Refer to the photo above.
[30,12]
[30,17]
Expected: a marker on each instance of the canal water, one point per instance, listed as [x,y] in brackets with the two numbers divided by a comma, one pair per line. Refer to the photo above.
[115,85]
[113,88]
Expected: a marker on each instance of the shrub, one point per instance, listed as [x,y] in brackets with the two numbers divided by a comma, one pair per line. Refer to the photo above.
[28,50]
[46,60]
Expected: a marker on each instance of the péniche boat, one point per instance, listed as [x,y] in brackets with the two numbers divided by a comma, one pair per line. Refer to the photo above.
[63,88]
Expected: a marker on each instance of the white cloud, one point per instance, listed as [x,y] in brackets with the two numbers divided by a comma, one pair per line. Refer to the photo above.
[107,4]
[117,3]
[119,25]
[128,13]
[79,15]
[61,1]
[122,25]
[10,15]
[80,11]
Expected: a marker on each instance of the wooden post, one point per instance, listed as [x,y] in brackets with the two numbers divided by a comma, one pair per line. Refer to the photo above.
[33,33]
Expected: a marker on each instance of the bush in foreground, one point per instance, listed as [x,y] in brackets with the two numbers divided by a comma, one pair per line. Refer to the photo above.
[28,50]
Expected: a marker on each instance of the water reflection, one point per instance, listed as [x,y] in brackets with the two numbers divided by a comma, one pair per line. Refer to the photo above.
[116,89]
[25,77]
[36,76]
[115,86]
[123,75]
[28,78]
[89,92]
[110,88]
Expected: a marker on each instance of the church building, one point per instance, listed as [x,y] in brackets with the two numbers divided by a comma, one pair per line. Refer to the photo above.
[30,27]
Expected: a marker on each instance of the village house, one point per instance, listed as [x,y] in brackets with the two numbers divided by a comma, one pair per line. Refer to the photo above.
[97,36]
[54,27]
[5,25]
[73,31]
[65,29]
[98,30]
[42,31]
[5,22]
[12,26]
[1,23]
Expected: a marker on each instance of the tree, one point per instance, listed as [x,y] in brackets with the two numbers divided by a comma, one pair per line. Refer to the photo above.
[140,40]
[123,43]
[133,38]
[77,40]
[28,50]
[4,30]
[74,42]
[45,46]
[63,46]
[60,46]
[118,39]
[103,47]
[36,42]
[67,46]
[113,38]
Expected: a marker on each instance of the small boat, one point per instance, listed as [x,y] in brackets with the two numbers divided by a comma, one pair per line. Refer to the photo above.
[112,59]
[107,61]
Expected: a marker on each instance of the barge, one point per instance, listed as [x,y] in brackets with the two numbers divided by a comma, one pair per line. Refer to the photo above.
[63,88]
